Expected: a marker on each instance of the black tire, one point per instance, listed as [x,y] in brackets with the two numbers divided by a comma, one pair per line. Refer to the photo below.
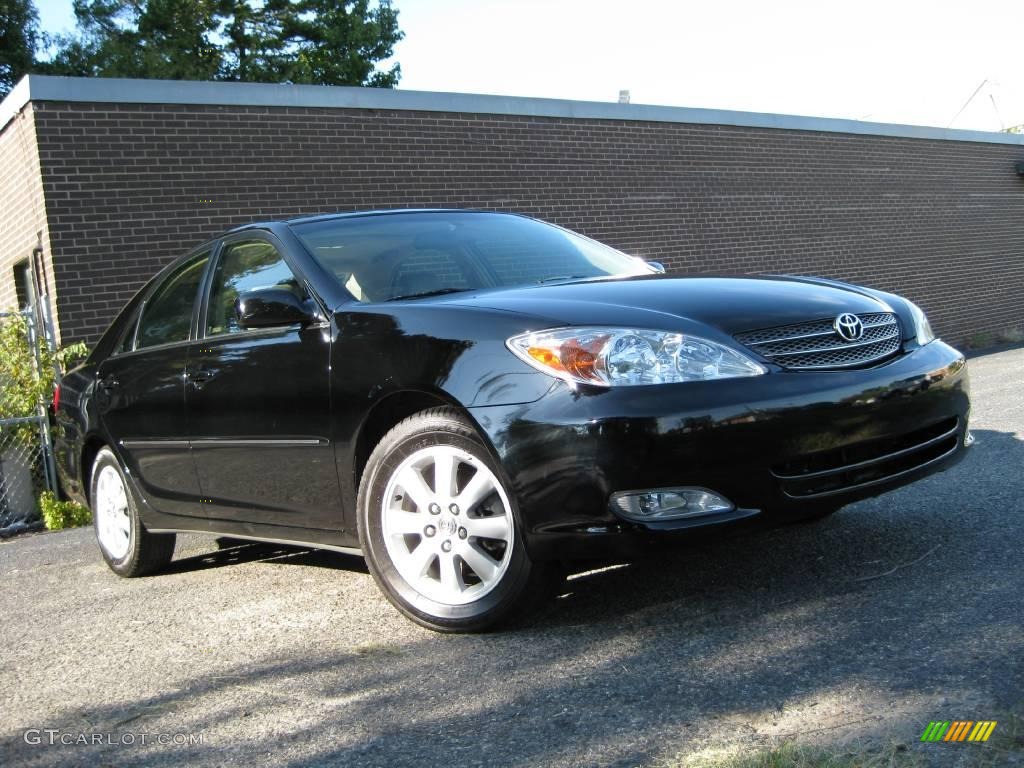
[523,581]
[146,552]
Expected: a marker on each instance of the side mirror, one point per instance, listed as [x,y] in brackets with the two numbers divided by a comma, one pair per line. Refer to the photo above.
[268,307]
[657,266]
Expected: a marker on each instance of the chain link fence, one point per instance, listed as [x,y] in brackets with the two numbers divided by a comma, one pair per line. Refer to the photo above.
[26,450]
[23,470]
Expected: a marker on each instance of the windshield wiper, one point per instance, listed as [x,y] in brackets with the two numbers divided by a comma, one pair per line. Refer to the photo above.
[553,278]
[424,294]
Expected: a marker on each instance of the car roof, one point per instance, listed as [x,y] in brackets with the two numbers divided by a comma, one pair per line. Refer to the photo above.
[355,215]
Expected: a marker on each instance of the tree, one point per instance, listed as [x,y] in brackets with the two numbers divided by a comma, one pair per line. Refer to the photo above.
[328,42]
[168,39]
[19,40]
[346,46]
[324,42]
[175,39]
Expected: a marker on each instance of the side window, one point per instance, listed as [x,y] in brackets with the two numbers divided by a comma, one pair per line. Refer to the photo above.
[167,314]
[245,266]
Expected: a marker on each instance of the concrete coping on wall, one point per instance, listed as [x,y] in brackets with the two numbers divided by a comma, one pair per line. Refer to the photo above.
[123,91]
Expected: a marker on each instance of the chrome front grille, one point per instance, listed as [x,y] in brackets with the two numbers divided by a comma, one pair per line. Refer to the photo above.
[817,345]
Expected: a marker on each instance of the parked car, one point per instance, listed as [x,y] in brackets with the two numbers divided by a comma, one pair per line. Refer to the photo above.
[471,399]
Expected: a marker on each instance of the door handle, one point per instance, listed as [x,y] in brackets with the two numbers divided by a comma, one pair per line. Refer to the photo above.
[199,377]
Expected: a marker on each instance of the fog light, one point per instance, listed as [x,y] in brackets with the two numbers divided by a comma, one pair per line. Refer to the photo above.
[669,503]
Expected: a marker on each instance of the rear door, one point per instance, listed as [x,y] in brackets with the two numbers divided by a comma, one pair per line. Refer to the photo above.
[141,390]
[258,400]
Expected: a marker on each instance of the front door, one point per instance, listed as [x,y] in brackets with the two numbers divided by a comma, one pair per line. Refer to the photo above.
[141,392]
[259,402]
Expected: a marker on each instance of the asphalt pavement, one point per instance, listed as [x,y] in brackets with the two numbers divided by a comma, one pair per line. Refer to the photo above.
[856,630]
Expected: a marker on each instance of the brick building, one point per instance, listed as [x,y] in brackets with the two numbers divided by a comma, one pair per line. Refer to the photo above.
[114,178]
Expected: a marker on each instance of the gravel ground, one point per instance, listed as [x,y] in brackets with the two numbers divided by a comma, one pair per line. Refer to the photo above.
[283,656]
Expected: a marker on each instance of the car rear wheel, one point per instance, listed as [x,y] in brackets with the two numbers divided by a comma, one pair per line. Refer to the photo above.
[129,549]
[439,529]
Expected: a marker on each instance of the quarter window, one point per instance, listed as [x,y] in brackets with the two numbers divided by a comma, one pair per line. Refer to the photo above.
[245,266]
[167,314]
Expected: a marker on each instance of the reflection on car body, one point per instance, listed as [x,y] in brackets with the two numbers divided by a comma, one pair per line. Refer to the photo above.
[471,399]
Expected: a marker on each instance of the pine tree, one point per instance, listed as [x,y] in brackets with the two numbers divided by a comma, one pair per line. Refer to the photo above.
[329,42]
[19,41]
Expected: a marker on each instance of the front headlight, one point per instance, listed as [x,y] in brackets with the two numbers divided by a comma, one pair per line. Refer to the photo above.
[922,327]
[613,357]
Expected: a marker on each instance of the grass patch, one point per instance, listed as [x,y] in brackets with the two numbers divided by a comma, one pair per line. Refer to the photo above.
[790,755]
[1007,740]
[58,515]
[1006,746]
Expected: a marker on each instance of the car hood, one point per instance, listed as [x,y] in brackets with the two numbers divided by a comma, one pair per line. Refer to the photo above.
[730,304]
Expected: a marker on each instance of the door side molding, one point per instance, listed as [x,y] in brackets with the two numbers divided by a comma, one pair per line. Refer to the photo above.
[269,442]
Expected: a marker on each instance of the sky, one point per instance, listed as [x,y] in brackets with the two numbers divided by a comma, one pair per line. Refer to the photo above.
[898,61]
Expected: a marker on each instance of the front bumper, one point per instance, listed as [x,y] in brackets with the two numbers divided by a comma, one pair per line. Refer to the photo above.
[776,445]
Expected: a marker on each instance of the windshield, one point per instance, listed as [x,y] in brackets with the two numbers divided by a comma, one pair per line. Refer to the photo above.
[404,255]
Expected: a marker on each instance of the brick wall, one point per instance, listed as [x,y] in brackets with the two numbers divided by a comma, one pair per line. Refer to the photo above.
[22,210]
[129,187]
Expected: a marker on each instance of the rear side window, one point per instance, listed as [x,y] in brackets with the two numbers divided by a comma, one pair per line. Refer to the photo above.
[167,314]
[245,266]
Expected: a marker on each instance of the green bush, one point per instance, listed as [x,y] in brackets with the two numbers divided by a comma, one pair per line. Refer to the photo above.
[58,515]
[24,386]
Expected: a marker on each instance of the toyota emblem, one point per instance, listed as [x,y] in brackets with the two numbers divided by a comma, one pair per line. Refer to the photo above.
[849,326]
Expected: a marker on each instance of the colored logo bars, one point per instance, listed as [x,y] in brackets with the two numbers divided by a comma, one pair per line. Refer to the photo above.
[958,730]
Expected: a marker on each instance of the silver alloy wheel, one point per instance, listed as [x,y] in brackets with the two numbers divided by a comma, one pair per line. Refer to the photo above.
[113,519]
[447,525]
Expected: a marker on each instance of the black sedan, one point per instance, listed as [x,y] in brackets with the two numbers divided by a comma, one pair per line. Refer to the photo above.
[471,399]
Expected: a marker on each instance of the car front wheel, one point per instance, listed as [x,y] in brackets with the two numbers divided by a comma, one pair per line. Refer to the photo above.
[438,527]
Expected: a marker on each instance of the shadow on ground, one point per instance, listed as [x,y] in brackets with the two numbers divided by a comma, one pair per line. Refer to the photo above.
[236,551]
[893,612]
